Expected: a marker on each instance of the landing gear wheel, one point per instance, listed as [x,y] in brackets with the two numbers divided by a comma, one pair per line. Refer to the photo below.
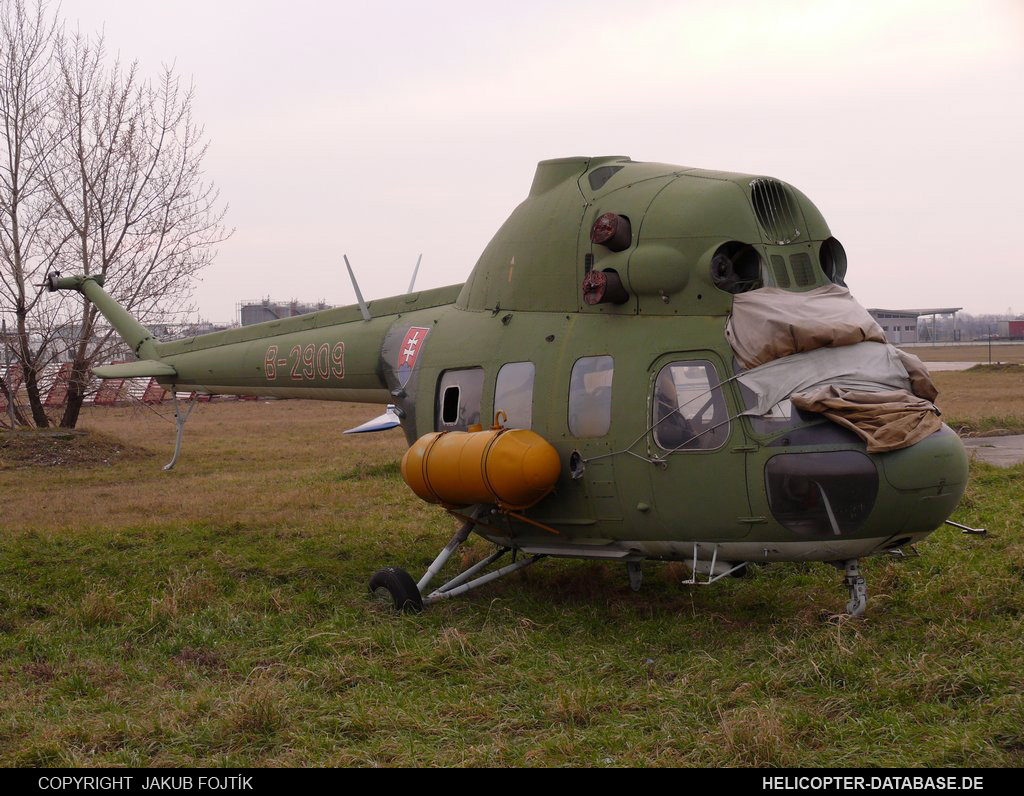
[400,587]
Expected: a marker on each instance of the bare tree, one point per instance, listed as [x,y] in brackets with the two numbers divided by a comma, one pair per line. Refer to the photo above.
[126,179]
[30,243]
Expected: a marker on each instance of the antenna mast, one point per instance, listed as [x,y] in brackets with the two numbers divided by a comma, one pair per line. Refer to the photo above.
[359,294]
[415,272]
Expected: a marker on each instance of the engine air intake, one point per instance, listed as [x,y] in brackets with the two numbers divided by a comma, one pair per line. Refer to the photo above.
[776,210]
[803,272]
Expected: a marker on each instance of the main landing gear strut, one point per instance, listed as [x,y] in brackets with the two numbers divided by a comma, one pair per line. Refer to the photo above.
[180,418]
[396,586]
[858,587]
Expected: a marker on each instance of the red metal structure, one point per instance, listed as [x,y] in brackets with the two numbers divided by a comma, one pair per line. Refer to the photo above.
[154,393]
[13,379]
[109,392]
[58,393]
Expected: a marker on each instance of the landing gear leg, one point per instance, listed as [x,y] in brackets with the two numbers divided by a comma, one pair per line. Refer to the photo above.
[408,595]
[405,593]
[858,587]
[179,420]
[461,536]
[636,575]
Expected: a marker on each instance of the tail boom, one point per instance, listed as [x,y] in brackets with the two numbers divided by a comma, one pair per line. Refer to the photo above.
[332,355]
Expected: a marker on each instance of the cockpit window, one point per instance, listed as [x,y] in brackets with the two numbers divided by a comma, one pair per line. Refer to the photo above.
[781,417]
[784,418]
[690,412]
[590,396]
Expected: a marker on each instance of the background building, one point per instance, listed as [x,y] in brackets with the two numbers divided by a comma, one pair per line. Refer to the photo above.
[930,325]
[261,310]
[1010,330]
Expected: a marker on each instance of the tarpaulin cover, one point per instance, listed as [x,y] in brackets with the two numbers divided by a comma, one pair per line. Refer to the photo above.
[864,366]
[883,394]
[886,420]
[920,380]
[770,323]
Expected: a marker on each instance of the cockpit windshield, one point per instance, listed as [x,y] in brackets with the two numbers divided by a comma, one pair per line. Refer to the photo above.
[780,418]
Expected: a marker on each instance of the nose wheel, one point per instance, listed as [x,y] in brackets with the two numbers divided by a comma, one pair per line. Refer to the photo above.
[858,587]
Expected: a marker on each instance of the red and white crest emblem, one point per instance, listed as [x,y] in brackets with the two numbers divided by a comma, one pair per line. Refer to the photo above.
[410,351]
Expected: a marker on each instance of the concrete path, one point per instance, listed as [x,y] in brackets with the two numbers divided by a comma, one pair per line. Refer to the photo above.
[950,365]
[1000,451]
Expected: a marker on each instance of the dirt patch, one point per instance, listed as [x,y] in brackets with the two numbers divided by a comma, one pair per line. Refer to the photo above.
[40,671]
[190,656]
[61,448]
[967,432]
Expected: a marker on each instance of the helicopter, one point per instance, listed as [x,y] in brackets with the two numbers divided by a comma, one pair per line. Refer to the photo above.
[648,362]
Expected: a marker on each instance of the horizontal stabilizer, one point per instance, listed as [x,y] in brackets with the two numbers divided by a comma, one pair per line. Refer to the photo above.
[384,422]
[134,370]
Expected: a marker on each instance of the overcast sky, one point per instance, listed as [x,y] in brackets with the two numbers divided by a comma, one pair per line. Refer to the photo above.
[388,129]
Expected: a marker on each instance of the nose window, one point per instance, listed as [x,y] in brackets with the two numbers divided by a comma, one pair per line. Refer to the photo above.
[821,494]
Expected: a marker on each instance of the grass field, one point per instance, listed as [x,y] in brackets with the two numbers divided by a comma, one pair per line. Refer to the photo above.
[216,615]
[983,399]
[1012,353]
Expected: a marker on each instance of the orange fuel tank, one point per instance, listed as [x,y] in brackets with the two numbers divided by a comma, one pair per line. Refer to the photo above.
[513,468]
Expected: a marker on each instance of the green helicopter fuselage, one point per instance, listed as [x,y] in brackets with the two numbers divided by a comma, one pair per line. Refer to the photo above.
[601,300]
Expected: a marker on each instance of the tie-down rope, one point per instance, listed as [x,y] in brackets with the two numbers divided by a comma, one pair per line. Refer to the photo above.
[650,428]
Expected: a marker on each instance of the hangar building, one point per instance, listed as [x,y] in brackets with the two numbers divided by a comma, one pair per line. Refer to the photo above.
[928,325]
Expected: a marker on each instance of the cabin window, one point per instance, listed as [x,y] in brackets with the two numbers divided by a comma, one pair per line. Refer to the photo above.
[513,393]
[590,396]
[458,399]
[690,412]
[450,405]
